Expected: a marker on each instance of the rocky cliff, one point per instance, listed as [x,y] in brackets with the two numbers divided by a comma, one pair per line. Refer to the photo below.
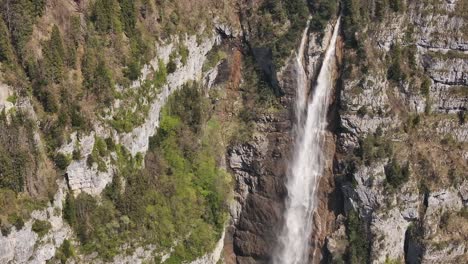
[110,169]
[394,164]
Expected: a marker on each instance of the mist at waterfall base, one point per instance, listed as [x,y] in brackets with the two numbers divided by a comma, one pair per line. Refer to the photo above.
[307,165]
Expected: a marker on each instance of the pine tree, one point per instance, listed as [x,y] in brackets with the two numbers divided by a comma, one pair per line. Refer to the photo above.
[54,55]
[103,82]
[6,51]
[69,210]
[106,16]
[128,16]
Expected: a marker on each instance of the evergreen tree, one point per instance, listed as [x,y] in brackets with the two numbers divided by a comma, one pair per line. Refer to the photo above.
[6,51]
[54,55]
[88,67]
[19,17]
[103,82]
[69,210]
[395,72]
[106,16]
[128,16]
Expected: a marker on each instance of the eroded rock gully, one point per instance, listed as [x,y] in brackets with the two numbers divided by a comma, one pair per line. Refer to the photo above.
[260,167]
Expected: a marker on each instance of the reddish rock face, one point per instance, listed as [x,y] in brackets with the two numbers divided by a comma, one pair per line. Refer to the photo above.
[260,168]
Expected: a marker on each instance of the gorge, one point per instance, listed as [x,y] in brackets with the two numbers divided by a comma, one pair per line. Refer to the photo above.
[307,165]
[233,131]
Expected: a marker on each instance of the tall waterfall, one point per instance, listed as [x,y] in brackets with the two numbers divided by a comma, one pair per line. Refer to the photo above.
[307,165]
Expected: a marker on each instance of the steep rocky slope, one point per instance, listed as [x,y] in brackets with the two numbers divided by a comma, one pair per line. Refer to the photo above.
[130,114]
[401,159]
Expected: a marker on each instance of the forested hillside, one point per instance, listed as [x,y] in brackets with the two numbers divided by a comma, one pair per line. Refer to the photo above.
[159,131]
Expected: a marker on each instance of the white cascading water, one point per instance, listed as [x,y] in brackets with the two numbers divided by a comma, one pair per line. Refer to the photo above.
[308,162]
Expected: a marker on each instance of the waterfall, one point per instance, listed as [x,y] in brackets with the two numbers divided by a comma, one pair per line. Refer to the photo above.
[307,165]
[301,93]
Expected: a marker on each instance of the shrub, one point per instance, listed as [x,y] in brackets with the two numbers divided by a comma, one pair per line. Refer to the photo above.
[358,249]
[62,161]
[76,155]
[395,72]
[184,53]
[65,251]
[132,71]
[41,227]
[461,117]
[425,86]
[396,5]
[128,16]
[11,178]
[160,77]
[100,146]
[323,11]
[21,16]
[180,195]
[110,144]
[395,174]
[362,111]
[374,147]
[69,210]
[16,220]
[213,57]
[171,66]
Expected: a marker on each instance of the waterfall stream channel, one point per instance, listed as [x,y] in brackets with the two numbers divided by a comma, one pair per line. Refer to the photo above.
[307,163]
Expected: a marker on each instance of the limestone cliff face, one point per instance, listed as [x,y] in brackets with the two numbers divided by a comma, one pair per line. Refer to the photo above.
[260,169]
[80,176]
[397,150]
[414,220]
[24,245]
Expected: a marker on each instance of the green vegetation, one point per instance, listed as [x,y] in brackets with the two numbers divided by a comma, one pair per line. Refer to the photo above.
[20,16]
[461,117]
[98,154]
[213,58]
[105,15]
[54,55]
[62,161]
[98,78]
[323,11]
[395,174]
[16,209]
[69,70]
[269,26]
[425,87]
[137,101]
[396,5]
[41,227]
[180,195]
[392,261]
[374,147]
[6,51]
[65,251]
[395,71]
[16,146]
[257,97]
[184,53]
[69,210]
[358,249]
[362,111]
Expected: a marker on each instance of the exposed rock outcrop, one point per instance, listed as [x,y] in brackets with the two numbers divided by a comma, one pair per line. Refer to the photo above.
[25,246]
[81,177]
[410,223]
